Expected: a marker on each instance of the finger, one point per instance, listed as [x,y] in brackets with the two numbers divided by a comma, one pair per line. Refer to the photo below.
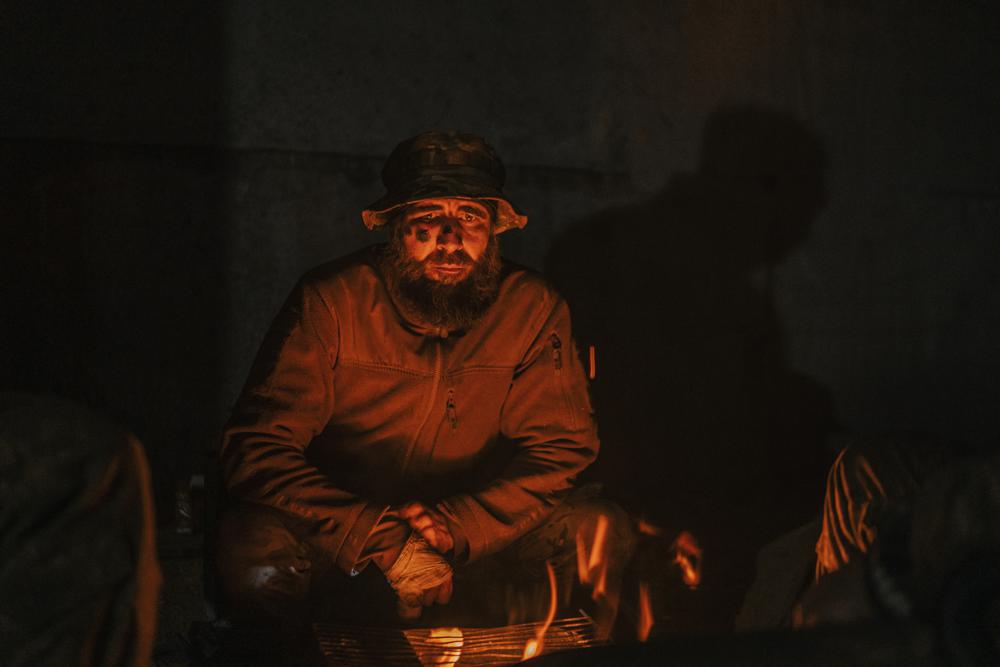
[422,522]
[444,592]
[438,518]
[411,510]
[445,541]
[430,595]
[431,537]
[408,612]
[440,537]
[427,536]
[434,514]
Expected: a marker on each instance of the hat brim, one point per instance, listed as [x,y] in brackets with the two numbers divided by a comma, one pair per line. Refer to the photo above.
[434,186]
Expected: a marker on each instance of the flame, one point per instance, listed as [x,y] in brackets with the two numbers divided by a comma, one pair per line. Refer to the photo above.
[581,558]
[589,560]
[645,612]
[647,528]
[601,587]
[687,555]
[449,641]
[597,555]
[436,646]
[534,646]
[530,650]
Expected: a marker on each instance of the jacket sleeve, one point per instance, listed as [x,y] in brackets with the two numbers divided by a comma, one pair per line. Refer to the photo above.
[288,400]
[548,418]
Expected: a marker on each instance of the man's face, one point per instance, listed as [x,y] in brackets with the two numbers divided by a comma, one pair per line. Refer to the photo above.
[447,236]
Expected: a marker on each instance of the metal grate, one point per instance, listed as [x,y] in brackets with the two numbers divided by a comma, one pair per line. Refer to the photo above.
[350,645]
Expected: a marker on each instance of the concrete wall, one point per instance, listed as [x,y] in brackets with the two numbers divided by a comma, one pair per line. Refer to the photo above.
[891,299]
[171,171]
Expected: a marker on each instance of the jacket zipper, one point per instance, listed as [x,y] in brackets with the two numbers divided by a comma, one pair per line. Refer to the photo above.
[557,361]
[431,402]
[452,416]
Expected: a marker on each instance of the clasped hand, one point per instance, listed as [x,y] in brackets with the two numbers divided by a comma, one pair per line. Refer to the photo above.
[420,575]
[430,524]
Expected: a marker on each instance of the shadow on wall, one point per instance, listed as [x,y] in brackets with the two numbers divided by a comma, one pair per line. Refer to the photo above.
[704,426]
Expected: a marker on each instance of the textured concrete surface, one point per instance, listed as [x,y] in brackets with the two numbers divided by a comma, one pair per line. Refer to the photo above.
[181,604]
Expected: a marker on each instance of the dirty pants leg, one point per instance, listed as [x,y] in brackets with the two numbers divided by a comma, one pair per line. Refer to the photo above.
[265,569]
[80,579]
[512,586]
[272,576]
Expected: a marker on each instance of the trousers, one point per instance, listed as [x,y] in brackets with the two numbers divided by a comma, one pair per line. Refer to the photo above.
[271,573]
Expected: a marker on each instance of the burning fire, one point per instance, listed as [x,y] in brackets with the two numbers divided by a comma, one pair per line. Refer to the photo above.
[647,528]
[590,563]
[534,646]
[601,586]
[592,569]
[645,612]
[687,555]
[446,647]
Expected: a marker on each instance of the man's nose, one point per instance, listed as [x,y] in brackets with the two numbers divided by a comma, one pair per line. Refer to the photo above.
[449,237]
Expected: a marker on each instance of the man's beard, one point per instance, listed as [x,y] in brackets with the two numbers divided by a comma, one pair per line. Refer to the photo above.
[451,306]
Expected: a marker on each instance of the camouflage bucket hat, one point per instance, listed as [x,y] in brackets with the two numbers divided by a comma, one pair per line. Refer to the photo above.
[443,164]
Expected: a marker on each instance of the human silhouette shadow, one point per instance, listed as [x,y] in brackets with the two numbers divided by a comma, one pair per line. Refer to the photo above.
[704,426]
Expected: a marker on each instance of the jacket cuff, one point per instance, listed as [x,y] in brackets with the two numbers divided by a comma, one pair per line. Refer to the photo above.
[470,539]
[357,535]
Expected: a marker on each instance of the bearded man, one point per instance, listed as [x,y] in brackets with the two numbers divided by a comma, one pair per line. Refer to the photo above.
[419,406]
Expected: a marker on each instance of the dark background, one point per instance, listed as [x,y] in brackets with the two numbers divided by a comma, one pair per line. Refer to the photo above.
[777,221]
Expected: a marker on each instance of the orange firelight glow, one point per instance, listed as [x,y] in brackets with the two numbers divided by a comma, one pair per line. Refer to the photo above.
[589,560]
[446,647]
[581,558]
[645,612]
[647,528]
[601,586]
[600,534]
[534,646]
[687,555]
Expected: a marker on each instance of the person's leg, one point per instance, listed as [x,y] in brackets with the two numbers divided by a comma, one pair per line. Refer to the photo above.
[272,575]
[607,536]
[265,570]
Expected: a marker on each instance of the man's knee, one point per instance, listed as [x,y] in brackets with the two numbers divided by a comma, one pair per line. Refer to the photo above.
[590,521]
[598,519]
[263,566]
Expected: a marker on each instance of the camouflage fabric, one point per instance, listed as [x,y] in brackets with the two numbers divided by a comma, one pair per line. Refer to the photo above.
[444,164]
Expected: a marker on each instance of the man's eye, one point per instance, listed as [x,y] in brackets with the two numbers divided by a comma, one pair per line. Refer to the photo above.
[469,217]
[423,234]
